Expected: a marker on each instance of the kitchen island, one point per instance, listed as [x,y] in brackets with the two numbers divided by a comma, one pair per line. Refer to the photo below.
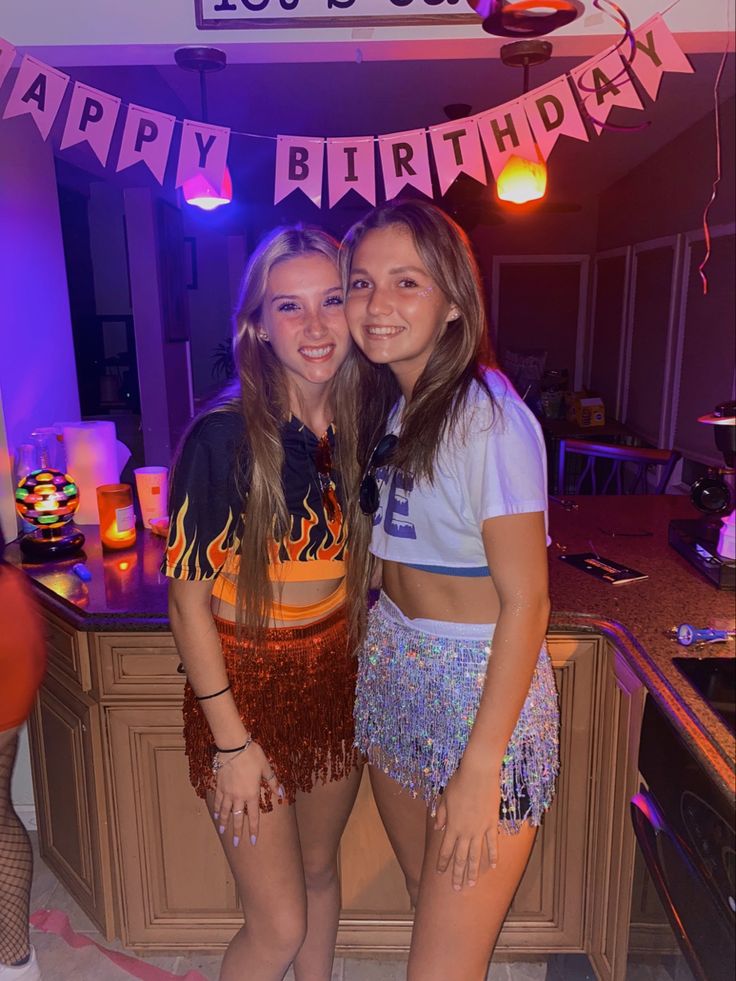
[121,827]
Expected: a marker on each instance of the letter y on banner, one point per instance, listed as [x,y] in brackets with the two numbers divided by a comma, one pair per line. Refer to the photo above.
[657,52]
[203,152]
[38,90]
[7,54]
[299,164]
[146,137]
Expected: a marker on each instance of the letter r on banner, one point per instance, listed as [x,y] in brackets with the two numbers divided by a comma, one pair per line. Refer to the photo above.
[299,166]
[405,160]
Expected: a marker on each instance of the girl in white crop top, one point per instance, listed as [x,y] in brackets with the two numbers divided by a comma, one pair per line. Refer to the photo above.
[456,708]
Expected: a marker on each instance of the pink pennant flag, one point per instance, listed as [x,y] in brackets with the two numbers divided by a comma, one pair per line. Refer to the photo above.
[351,165]
[505,132]
[38,90]
[146,137]
[299,164]
[657,52]
[457,150]
[405,160]
[7,54]
[604,82]
[553,112]
[203,152]
[91,118]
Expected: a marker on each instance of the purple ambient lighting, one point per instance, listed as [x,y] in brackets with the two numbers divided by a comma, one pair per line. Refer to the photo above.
[200,193]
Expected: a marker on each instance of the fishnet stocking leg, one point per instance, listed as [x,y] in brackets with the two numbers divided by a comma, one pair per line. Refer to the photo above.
[16,866]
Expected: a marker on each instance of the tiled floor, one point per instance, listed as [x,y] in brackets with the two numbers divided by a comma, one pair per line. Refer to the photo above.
[60,962]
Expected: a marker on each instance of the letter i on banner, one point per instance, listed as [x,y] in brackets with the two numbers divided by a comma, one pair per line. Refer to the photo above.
[457,150]
[405,160]
[553,112]
[91,118]
[299,166]
[7,54]
[351,165]
[38,91]
[657,52]
[203,152]
[146,138]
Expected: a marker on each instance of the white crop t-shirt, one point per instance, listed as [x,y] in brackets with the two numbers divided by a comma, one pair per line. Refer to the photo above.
[494,463]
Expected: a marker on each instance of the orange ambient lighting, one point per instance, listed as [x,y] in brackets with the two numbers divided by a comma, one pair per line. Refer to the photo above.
[522,180]
[117,516]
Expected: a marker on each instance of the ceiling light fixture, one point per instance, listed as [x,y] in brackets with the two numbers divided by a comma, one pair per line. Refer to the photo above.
[525,18]
[523,180]
[198,191]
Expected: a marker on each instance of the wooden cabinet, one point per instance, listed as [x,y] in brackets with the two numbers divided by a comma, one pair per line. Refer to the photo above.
[121,826]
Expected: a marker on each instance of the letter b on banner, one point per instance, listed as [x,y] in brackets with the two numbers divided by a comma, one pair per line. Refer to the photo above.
[299,166]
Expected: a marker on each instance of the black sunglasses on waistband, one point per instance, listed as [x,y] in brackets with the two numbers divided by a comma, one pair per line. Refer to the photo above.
[369,497]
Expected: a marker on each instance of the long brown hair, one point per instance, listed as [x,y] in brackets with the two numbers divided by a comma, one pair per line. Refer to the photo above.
[458,360]
[262,398]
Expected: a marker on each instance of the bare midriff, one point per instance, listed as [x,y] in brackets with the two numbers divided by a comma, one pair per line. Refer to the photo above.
[310,596]
[434,596]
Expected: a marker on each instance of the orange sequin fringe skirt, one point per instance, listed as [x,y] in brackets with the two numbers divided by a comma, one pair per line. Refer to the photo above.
[295,692]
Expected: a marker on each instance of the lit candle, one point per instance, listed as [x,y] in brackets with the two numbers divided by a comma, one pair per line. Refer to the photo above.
[117,515]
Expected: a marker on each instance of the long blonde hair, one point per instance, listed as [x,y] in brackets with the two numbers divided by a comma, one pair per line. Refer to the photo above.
[458,360]
[263,401]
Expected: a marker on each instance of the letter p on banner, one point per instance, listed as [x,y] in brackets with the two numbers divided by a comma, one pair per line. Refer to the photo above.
[299,166]
[91,118]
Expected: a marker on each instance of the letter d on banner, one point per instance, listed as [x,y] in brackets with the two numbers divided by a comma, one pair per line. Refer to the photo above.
[299,165]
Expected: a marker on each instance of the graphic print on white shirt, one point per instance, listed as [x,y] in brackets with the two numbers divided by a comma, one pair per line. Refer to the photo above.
[396,520]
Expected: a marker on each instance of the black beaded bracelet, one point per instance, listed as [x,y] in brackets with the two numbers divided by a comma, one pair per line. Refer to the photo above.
[203,698]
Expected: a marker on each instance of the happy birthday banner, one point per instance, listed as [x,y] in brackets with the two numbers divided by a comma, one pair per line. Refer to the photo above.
[562,107]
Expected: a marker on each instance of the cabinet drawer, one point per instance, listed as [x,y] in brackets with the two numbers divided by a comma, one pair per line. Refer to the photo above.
[142,664]
[68,652]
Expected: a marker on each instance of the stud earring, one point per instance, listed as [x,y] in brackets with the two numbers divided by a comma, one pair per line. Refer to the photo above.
[263,336]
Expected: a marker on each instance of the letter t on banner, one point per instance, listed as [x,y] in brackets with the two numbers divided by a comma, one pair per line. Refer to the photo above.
[299,164]
[457,150]
[38,90]
[351,165]
[7,54]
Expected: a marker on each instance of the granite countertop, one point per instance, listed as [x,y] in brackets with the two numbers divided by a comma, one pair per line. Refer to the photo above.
[127,592]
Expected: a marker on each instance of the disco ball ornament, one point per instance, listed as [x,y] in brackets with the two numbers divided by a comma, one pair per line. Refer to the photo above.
[47,499]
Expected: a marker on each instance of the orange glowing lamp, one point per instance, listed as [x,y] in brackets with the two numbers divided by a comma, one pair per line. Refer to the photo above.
[522,180]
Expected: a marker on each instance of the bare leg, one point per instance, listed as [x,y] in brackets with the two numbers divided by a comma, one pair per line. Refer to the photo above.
[270,880]
[404,818]
[16,863]
[321,818]
[455,932]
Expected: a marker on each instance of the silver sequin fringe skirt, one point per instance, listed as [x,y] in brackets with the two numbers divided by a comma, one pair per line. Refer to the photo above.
[418,690]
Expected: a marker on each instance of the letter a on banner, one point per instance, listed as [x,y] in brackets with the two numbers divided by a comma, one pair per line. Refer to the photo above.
[553,112]
[7,54]
[657,52]
[203,152]
[603,83]
[505,132]
[147,138]
[405,160]
[38,91]
[457,150]
[299,165]
[91,118]
[351,165]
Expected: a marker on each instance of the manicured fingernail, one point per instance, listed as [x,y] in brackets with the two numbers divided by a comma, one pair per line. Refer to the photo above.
[222,829]
[456,888]
[236,840]
[471,882]
[215,815]
[252,839]
[493,865]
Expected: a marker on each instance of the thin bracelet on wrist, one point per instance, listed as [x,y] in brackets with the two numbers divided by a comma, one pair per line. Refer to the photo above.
[203,698]
[218,762]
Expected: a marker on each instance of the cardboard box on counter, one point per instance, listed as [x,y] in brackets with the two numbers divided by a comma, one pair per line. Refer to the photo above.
[585,410]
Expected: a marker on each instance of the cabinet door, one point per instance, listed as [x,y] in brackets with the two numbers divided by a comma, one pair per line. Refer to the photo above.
[66,753]
[548,910]
[176,889]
